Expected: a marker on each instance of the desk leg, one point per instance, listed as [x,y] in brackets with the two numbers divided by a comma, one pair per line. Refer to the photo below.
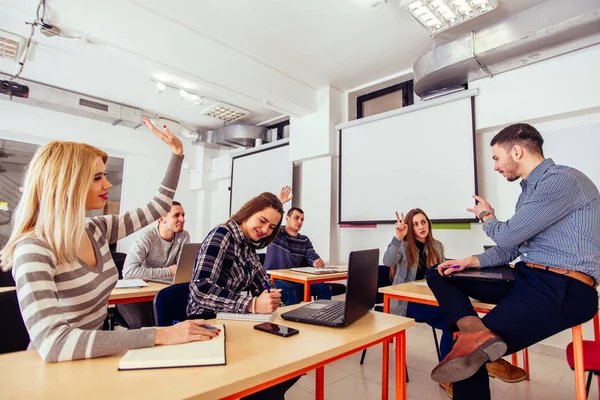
[273,280]
[597,338]
[385,368]
[515,361]
[526,362]
[578,358]
[320,389]
[306,292]
[401,366]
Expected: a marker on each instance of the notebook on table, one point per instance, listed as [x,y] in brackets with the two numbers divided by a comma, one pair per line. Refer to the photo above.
[193,354]
[318,271]
[245,317]
[130,283]
[490,274]
[360,296]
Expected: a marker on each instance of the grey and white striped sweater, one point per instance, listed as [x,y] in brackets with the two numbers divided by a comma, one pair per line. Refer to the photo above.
[64,306]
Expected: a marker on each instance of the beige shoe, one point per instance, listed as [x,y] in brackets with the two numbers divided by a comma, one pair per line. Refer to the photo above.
[447,387]
[505,371]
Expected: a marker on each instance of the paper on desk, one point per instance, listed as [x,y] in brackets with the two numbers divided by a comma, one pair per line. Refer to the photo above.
[130,283]
[421,283]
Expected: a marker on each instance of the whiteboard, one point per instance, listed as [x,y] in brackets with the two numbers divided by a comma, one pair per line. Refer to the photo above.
[261,171]
[423,159]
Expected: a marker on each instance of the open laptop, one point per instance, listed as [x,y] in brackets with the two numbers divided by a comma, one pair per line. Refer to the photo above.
[360,296]
[498,274]
[185,265]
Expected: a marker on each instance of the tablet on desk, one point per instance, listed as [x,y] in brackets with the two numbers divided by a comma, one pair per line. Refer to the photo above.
[317,271]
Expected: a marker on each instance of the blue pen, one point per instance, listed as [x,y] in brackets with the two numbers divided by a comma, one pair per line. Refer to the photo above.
[210,327]
[267,287]
[453,267]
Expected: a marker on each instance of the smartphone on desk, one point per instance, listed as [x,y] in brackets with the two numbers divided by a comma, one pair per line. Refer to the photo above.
[275,329]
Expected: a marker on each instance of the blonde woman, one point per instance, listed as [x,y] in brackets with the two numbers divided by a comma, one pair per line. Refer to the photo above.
[61,262]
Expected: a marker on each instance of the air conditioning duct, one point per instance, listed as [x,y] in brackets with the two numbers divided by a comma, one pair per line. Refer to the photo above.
[56,99]
[547,30]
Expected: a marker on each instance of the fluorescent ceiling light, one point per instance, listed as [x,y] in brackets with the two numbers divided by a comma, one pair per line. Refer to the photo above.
[440,15]
[225,112]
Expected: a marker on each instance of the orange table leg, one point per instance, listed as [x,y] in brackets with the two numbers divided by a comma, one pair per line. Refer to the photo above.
[515,361]
[320,389]
[307,292]
[385,368]
[597,338]
[578,358]
[526,362]
[401,366]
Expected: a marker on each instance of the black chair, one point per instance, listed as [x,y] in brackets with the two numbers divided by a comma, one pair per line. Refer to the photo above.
[114,318]
[13,335]
[170,304]
[261,257]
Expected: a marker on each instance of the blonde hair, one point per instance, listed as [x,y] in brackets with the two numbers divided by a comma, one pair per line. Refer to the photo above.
[52,207]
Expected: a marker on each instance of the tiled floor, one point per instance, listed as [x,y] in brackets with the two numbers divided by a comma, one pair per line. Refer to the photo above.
[551,378]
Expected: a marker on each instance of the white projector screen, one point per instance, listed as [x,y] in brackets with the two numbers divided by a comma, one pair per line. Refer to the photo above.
[421,159]
[262,171]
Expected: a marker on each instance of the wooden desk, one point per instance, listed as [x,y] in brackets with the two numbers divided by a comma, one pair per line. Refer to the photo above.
[255,360]
[413,292]
[7,289]
[308,279]
[136,295]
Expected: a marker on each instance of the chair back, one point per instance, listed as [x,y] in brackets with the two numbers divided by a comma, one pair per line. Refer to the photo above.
[383,280]
[170,304]
[119,259]
[13,335]
[261,258]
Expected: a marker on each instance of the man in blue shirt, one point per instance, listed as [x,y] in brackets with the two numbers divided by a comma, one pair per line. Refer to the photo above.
[556,232]
[290,249]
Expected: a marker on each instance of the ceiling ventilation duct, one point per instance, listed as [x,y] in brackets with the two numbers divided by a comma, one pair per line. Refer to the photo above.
[65,101]
[547,30]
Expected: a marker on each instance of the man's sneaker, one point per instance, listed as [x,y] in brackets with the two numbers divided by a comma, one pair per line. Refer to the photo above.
[505,371]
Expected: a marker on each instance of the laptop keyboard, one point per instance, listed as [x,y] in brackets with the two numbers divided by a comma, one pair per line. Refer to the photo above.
[329,314]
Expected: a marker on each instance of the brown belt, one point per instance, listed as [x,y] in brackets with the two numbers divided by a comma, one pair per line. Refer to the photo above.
[581,277]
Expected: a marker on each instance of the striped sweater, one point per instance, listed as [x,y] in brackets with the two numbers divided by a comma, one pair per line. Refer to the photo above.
[64,306]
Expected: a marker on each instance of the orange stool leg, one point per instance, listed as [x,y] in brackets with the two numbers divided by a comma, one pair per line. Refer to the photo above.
[515,361]
[526,362]
[597,338]
[578,358]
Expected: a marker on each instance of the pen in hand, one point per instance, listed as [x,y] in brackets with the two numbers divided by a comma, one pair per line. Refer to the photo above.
[267,287]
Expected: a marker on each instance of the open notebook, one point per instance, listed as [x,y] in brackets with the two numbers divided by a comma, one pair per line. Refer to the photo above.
[194,354]
[245,317]
[318,271]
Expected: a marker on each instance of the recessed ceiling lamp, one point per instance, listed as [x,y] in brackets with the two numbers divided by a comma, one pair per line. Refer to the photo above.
[440,15]
[225,112]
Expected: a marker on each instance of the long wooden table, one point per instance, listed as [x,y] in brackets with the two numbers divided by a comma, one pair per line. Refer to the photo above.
[255,360]
[122,296]
[308,279]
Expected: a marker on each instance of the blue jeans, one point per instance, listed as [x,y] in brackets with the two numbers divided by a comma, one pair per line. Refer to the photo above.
[537,305]
[293,292]
[433,317]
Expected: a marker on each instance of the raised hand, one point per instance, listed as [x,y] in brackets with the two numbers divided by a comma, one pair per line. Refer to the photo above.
[285,194]
[401,227]
[171,140]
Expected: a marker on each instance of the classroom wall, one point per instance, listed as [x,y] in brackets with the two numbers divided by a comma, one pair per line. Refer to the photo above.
[145,156]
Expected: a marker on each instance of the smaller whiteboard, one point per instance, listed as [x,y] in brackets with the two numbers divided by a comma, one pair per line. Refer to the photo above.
[265,170]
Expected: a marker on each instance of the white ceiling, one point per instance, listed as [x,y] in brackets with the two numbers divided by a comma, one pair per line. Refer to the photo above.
[268,56]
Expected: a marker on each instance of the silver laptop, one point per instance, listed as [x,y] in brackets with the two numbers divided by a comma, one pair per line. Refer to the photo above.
[360,297]
[185,265]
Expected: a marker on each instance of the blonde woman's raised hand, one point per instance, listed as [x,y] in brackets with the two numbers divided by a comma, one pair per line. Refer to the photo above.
[401,227]
[166,136]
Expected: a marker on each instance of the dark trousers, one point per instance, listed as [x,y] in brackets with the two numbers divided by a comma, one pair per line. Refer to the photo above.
[433,317]
[537,305]
[276,392]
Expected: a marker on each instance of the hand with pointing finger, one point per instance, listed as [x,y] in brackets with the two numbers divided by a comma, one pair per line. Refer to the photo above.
[401,227]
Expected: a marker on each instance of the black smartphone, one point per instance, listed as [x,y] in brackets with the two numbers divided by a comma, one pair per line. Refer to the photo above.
[275,329]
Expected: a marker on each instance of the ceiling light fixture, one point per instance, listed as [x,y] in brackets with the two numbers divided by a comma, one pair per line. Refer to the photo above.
[439,15]
[225,112]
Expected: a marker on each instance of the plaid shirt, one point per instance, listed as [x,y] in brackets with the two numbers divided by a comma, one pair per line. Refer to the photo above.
[556,223]
[226,265]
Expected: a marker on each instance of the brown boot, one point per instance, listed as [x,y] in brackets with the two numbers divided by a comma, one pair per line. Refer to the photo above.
[447,387]
[469,353]
[505,371]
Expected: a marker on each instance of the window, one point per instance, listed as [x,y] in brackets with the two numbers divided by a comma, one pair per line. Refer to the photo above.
[386,99]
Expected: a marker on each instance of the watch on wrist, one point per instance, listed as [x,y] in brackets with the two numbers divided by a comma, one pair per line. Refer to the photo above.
[483,214]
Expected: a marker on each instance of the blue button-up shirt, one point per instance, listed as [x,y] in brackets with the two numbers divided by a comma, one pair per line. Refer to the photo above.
[556,223]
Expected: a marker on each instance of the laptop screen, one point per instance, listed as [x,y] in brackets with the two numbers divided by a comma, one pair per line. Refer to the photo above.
[362,283]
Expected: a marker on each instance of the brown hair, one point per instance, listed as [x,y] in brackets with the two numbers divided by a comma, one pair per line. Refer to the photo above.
[433,256]
[259,203]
